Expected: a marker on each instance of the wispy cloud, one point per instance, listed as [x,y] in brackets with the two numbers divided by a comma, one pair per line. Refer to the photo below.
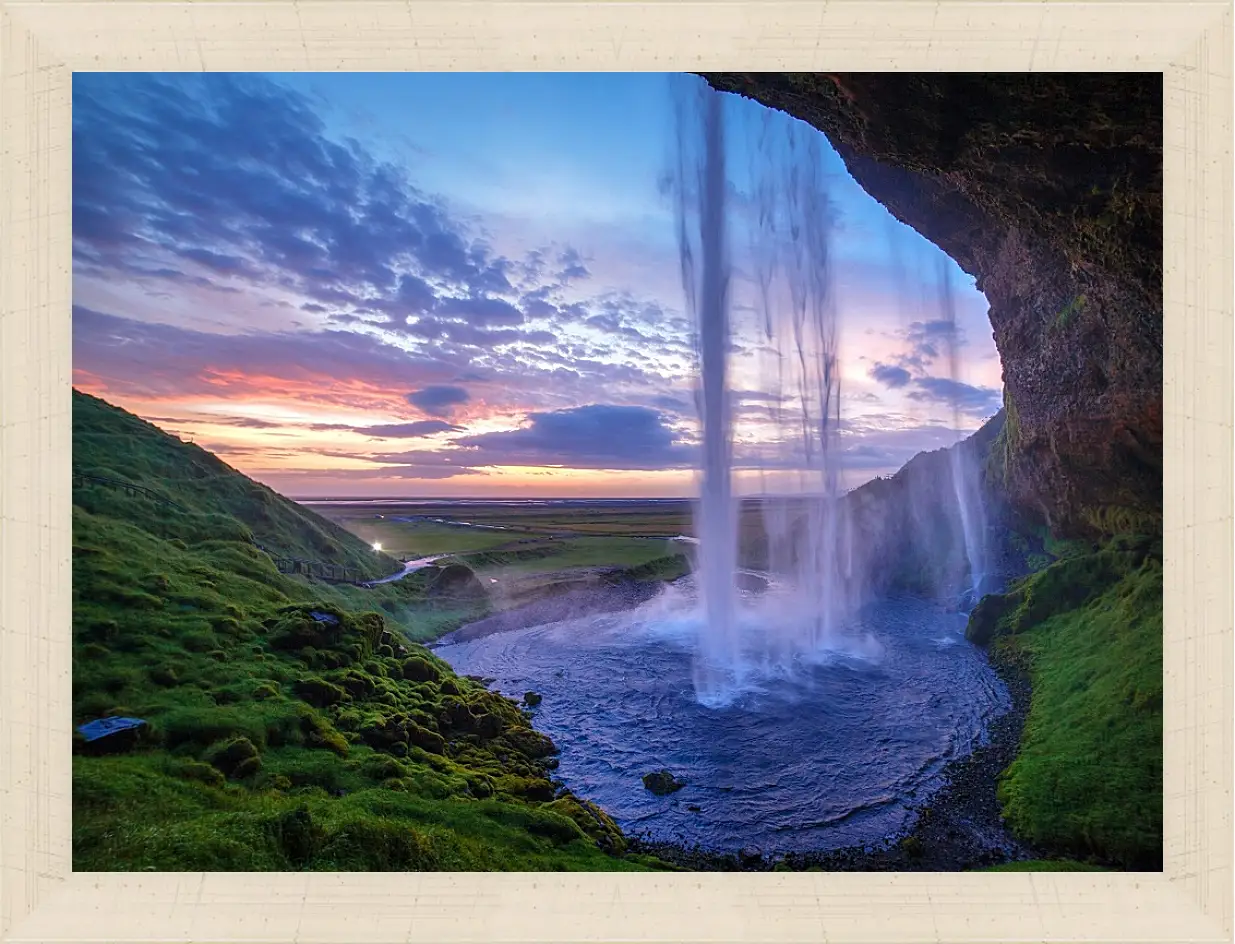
[417,430]
[976,401]
[439,400]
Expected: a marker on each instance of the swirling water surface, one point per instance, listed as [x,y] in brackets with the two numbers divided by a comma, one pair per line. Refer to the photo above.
[821,754]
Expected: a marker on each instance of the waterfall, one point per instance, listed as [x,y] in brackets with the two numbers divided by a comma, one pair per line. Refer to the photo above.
[808,535]
[816,580]
[963,465]
[701,177]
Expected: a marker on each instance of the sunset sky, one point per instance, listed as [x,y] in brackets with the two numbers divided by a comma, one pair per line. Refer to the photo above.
[435,285]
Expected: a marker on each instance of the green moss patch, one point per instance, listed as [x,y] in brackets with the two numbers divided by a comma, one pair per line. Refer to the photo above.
[1087,782]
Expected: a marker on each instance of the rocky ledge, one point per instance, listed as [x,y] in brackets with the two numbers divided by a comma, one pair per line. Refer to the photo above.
[555,601]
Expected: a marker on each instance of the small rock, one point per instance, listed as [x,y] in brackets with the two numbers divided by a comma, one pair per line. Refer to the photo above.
[662,782]
[531,699]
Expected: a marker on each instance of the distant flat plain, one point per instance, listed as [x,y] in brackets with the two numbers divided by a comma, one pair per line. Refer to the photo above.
[489,535]
[529,537]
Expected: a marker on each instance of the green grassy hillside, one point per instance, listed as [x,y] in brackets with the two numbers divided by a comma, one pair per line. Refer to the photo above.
[292,724]
[214,499]
[1087,781]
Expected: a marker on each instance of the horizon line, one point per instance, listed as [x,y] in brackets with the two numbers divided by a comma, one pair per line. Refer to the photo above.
[539,498]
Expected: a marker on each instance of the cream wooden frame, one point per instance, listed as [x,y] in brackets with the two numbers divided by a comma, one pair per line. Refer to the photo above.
[42,43]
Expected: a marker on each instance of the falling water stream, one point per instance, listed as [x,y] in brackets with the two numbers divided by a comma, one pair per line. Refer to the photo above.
[718,657]
[815,587]
[961,463]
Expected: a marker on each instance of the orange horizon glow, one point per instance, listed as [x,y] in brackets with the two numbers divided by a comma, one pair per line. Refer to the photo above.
[283,457]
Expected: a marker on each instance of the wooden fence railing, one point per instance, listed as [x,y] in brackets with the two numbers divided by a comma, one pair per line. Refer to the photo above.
[81,479]
[321,570]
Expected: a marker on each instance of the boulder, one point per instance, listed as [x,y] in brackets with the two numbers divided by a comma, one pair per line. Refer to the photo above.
[457,581]
[662,782]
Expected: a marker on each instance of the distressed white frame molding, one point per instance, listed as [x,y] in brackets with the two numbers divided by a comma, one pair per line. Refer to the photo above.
[42,900]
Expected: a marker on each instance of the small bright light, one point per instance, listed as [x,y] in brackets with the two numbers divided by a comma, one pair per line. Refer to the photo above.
[377,546]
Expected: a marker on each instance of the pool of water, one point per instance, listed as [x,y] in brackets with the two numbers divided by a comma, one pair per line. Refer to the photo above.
[811,754]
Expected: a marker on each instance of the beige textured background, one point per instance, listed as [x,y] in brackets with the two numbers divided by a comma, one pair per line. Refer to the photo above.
[43,42]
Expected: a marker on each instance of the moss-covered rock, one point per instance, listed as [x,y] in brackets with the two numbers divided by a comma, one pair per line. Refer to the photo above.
[164,675]
[356,684]
[296,835]
[318,732]
[308,627]
[457,581]
[536,789]
[662,783]
[237,758]
[425,739]
[528,742]
[419,669]
[592,820]
[318,692]
[326,635]
[985,619]
[198,771]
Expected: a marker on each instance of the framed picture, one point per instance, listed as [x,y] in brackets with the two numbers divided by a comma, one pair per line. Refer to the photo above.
[493,471]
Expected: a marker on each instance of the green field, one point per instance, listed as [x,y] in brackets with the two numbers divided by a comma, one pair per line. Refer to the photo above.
[528,543]
[652,520]
[533,539]
[411,539]
[552,555]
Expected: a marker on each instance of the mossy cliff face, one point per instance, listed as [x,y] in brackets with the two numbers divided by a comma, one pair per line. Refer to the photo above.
[1048,190]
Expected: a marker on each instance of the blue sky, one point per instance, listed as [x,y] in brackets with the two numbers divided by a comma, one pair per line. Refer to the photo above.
[455,284]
